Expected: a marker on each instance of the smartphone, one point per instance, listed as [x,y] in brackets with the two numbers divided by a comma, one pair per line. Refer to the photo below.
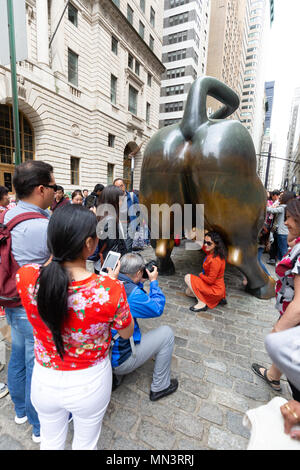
[110,261]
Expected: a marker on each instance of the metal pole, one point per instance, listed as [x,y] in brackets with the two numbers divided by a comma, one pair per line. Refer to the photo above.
[268,165]
[14,84]
[58,23]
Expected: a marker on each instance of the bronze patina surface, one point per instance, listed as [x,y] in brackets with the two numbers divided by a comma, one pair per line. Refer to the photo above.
[210,161]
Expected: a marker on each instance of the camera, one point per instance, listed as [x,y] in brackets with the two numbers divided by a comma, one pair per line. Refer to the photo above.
[150,266]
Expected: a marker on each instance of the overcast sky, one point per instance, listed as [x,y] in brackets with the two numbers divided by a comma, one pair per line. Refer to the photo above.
[283,66]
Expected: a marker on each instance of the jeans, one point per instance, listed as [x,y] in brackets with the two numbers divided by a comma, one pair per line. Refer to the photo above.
[83,392]
[282,246]
[259,255]
[21,365]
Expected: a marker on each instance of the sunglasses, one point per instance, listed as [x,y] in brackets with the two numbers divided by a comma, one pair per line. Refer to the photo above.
[207,243]
[52,186]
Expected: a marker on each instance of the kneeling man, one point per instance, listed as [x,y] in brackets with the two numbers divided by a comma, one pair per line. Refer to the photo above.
[128,355]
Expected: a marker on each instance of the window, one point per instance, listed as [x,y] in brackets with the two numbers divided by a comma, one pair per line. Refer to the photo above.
[174,90]
[137,67]
[132,100]
[117,2]
[75,171]
[151,42]
[142,5]
[176,3]
[114,45]
[149,79]
[129,14]
[176,55]
[178,19]
[111,140]
[110,173]
[176,73]
[152,17]
[142,29]
[73,14]
[130,61]
[172,107]
[7,146]
[148,111]
[177,37]
[72,68]
[113,89]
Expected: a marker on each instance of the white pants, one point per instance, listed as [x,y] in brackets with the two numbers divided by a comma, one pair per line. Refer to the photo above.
[85,393]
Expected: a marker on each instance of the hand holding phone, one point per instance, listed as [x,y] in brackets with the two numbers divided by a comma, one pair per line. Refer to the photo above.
[110,261]
[114,274]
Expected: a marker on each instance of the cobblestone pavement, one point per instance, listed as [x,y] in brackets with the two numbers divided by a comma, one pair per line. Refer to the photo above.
[212,358]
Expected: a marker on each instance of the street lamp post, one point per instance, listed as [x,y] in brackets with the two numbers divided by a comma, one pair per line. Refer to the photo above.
[14,84]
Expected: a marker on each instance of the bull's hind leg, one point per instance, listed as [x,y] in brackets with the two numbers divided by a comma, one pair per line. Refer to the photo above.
[259,284]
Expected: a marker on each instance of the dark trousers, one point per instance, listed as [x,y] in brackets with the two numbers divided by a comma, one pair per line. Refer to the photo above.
[274,247]
[295,392]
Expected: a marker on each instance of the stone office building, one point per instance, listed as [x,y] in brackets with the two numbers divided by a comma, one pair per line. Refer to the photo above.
[90,102]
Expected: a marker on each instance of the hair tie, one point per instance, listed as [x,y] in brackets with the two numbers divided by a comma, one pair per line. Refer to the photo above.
[57,260]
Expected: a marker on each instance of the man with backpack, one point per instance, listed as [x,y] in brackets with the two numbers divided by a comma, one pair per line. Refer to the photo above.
[23,240]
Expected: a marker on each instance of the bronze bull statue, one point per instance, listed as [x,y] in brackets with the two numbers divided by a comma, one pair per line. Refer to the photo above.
[210,161]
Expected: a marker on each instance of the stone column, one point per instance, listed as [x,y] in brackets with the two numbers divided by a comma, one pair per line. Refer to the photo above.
[58,43]
[42,31]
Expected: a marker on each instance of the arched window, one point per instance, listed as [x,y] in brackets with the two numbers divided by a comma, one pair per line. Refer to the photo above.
[7,146]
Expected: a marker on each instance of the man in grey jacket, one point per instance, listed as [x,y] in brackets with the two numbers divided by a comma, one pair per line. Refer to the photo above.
[282,230]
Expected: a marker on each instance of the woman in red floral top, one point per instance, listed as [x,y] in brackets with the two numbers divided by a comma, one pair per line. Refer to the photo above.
[72,312]
[287,289]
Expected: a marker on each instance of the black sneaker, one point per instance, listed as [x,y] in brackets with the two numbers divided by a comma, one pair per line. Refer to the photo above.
[117,380]
[167,391]
[223,302]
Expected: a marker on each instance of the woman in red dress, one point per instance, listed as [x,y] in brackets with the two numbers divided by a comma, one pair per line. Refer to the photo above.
[209,286]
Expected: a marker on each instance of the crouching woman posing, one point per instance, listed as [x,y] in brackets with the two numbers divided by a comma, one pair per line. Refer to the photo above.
[209,286]
[72,312]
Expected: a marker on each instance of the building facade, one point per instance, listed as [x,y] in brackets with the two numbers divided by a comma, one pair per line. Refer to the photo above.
[266,140]
[291,172]
[90,102]
[253,103]
[184,54]
[227,45]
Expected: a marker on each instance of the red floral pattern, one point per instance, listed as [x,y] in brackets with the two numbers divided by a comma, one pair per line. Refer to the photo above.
[96,305]
[286,270]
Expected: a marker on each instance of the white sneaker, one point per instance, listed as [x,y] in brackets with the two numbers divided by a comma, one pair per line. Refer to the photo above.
[3,390]
[20,420]
[36,439]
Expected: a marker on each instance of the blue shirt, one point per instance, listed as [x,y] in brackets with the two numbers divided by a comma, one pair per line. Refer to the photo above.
[29,238]
[142,305]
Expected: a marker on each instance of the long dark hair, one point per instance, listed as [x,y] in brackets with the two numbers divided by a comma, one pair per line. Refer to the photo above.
[293,208]
[220,248]
[111,196]
[68,229]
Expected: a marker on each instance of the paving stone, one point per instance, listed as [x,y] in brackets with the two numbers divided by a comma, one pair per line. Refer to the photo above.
[223,440]
[252,391]
[189,425]
[216,365]
[197,388]
[9,443]
[120,443]
[181,400]
[211,412]
[235,424]
[218,378]
[189,444]
[155,436]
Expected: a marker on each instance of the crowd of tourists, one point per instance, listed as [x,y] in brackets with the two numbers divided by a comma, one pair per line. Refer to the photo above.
[75,331]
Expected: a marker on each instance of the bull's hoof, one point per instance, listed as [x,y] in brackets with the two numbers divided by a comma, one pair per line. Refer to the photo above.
[166,267]
[267,291]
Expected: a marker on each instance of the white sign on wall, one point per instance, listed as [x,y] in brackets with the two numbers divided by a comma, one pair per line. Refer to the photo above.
[19,9]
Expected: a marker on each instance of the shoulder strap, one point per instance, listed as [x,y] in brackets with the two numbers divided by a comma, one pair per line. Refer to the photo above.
[22,217]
